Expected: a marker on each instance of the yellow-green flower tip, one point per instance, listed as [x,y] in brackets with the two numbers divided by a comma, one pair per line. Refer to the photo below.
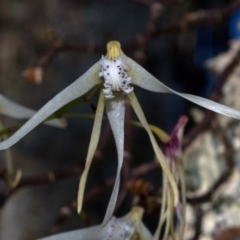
[136,213]
[113,50]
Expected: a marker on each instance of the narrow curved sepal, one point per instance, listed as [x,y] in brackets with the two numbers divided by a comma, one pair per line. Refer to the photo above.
[144,79]
[116,114]
[92,148]
[78,88]
[138,110]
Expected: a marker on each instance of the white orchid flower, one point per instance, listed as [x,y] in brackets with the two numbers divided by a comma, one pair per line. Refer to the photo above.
[116,73]
[129,227]
[15,110]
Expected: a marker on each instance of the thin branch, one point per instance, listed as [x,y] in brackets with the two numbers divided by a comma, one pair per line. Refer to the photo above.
[50,177]
[145,168]
[189,21]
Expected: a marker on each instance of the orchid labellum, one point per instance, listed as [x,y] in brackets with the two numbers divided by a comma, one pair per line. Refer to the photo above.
[117,74]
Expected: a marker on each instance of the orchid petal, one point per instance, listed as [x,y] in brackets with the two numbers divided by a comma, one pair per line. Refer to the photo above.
[83,99]
[78,88]
[116,112]
[92,148]
[138,110]
[144,79]
[15,110]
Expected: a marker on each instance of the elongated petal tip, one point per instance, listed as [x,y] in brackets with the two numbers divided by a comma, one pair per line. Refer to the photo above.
[136,213]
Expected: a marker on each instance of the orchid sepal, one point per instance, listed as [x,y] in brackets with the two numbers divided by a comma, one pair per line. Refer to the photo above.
[92,148]
[138,110]
[144,79]
[77,89]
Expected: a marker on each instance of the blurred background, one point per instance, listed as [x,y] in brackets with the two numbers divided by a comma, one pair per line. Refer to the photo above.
[46,45]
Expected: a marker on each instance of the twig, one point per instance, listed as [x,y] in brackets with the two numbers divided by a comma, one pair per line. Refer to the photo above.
[144,169]
[143,39]
[188,22]
[208,17]
[64,214]
[65,47]
[50,177]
